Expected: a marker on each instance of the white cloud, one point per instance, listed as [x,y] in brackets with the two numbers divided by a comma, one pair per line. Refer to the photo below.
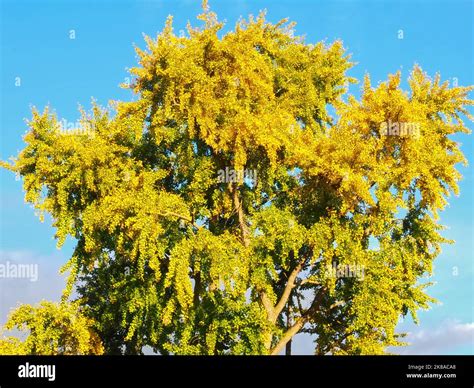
[442,340]
[15,291]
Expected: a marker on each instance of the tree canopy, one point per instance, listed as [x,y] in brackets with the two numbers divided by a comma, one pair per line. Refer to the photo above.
[171,257]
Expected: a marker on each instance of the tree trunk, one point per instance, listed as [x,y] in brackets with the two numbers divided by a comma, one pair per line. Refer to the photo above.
[288,326]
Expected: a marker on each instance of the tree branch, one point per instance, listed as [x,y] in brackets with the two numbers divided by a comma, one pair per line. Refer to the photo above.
[240,213]
[290,284]
[299,323]
[309,281]
[180,216]
[265,300]
[289,334]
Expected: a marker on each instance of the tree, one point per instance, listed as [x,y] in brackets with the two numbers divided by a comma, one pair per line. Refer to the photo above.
[225,210]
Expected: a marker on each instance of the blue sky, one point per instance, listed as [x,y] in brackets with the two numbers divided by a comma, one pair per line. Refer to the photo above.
[41,65]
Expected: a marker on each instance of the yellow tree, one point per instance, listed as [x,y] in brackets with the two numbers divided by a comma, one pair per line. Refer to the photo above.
[225,210]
